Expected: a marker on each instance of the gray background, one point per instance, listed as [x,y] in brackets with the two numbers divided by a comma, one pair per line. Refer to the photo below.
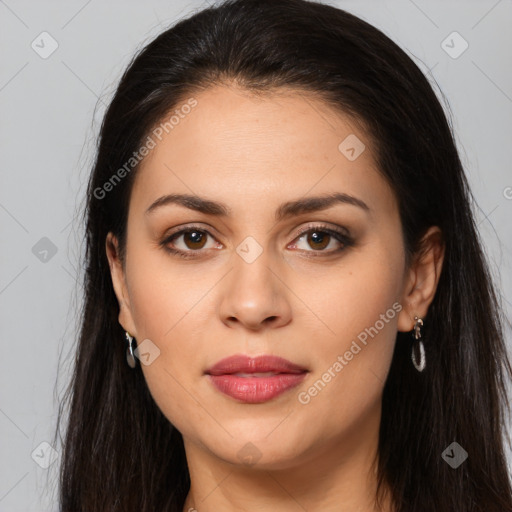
[51,109]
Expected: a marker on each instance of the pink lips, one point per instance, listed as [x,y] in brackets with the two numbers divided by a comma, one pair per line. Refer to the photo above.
[282,375]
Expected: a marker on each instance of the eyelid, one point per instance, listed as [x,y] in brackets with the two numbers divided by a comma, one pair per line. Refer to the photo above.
[311,225]
[322,226]
[188,227]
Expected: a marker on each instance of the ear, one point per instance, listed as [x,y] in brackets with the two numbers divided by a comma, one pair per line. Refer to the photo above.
[117,274]
[423,278]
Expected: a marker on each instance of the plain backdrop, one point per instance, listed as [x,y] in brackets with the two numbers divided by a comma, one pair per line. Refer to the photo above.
[51,107]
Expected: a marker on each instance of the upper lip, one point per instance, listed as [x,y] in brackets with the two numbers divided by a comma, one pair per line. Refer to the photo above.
[247,364]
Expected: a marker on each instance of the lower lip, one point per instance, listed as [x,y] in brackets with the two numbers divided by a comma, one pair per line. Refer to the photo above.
[253,390]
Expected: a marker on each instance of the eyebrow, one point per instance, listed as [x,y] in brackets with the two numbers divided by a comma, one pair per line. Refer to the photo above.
[285,210]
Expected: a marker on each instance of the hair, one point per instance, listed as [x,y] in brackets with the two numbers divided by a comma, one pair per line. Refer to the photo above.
[120,453]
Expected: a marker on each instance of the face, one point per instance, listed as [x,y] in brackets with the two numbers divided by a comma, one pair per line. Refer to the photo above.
[320,287]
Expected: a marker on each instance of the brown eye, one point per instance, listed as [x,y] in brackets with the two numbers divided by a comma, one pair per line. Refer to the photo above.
[194,239]
[189,243]
[318,239]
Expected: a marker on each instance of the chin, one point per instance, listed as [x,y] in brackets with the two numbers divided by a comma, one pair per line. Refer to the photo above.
[261,452]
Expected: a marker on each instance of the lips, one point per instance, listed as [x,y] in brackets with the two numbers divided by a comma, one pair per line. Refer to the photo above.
[241,364]
[255,380]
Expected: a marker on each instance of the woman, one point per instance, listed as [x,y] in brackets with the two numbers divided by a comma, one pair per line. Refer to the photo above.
[287,306]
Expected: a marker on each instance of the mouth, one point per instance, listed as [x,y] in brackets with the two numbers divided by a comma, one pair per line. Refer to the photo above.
[255,374]
[265,365]
[255,380]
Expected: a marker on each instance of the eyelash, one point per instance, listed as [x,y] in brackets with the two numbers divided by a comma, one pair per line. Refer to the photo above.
[340,236]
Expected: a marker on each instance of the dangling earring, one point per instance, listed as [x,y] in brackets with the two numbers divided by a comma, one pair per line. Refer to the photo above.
[417,336]
[130,356]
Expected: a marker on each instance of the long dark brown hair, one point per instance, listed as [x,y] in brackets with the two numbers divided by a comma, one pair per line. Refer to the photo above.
[119,452]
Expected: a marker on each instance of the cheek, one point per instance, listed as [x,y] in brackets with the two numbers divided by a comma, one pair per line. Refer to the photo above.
[166,307]
[346,300]
[357,311]
[163,295]
[350,369]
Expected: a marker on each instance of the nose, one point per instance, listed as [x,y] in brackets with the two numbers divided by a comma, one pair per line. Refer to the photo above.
[255,295]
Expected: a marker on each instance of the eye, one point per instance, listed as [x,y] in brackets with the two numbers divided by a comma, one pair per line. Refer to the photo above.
[318,237]
[194,239]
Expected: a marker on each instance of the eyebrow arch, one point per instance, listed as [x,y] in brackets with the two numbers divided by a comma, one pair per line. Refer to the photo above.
[285,210]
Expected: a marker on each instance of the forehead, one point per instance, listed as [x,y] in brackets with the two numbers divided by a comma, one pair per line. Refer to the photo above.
[250,151]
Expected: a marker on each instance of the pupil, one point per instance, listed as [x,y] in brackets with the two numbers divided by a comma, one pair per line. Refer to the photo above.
[195,237]
[318,238]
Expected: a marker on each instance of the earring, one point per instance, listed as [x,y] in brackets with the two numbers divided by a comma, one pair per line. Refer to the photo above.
[130,356]
[417,336]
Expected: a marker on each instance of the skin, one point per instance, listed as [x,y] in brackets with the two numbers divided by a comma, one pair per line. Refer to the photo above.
[253,153]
